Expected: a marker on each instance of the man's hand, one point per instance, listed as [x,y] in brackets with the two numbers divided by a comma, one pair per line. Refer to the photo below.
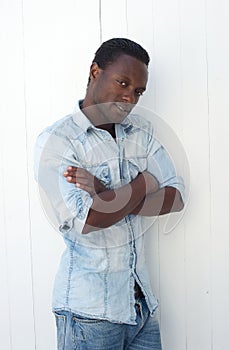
[84,180]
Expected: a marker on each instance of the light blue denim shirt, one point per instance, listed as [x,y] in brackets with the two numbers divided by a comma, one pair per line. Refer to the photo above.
[98,270]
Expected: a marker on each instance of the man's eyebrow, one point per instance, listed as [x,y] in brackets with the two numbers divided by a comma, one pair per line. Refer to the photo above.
[123,76]
[141,88]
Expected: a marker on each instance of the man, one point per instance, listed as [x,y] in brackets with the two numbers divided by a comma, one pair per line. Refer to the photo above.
[102,175]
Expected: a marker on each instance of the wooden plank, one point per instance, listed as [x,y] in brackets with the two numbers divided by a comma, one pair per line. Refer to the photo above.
[218,85]
[113,19]
[197,225]
[14,160]
[61,41]
[139,21]
[138,15]
[5,331]
[58,57]
[198,256]
[167,85]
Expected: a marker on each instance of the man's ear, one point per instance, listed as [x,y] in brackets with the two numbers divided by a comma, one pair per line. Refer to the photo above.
[94,71]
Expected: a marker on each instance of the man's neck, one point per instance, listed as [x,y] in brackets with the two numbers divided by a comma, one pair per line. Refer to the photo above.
[108,127]
[90,113]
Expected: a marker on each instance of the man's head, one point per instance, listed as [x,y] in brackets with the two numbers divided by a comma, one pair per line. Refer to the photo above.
[118,77]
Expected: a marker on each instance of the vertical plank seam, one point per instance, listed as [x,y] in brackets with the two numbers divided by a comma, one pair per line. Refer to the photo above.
[209,164]
[184,232]
[27,171]
[158,221]
[126,16]
[100,22]
[154,51]
[6,254]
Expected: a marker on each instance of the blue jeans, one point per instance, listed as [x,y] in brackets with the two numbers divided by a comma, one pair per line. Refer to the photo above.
[78,333]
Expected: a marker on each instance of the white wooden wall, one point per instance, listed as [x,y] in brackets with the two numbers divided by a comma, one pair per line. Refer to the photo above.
[46,50]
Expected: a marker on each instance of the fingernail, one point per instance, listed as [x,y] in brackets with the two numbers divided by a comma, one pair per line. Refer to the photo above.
[69,178]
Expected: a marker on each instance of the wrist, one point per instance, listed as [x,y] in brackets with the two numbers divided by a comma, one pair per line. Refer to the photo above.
[99,186]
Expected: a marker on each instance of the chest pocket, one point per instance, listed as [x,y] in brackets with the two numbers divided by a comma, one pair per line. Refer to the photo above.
[101,171]
[136,165]
[135,158]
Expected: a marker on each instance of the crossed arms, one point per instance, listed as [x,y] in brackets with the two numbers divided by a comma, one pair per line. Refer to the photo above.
[141,196]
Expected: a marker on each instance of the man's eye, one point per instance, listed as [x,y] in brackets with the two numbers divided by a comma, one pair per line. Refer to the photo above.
[121,82]
[139,93]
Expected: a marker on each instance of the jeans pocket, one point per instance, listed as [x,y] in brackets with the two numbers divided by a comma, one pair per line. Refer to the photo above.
[61,330]
[96,334]
[81,319]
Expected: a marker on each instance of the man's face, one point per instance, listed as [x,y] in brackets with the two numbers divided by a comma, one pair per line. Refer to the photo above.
[116,89]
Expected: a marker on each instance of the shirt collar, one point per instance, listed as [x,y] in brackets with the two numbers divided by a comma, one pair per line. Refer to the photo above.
[80,118]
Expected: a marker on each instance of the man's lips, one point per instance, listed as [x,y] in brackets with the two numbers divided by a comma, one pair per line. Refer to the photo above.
[123,107]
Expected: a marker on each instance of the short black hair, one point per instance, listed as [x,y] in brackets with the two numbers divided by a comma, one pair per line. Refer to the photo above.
[111,49]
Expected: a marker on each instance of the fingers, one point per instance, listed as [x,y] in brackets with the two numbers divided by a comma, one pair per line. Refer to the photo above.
[72,171]
[70,176]
[84,180]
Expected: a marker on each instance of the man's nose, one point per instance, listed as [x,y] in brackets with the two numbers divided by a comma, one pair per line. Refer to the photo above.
[129,96]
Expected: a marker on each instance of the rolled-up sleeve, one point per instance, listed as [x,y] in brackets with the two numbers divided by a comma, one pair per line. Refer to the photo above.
[65,205]
[163,167]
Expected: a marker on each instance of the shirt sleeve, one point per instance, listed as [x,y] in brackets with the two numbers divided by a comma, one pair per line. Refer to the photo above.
[160,164]
[65,205]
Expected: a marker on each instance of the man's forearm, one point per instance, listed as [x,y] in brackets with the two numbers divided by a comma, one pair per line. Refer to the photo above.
[164,201]
[111,206]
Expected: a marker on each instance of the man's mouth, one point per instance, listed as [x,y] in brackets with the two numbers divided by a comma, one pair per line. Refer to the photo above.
[123,108]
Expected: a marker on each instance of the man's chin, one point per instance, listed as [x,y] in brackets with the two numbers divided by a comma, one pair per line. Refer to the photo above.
[124,107]
[113,112]
[120,112]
